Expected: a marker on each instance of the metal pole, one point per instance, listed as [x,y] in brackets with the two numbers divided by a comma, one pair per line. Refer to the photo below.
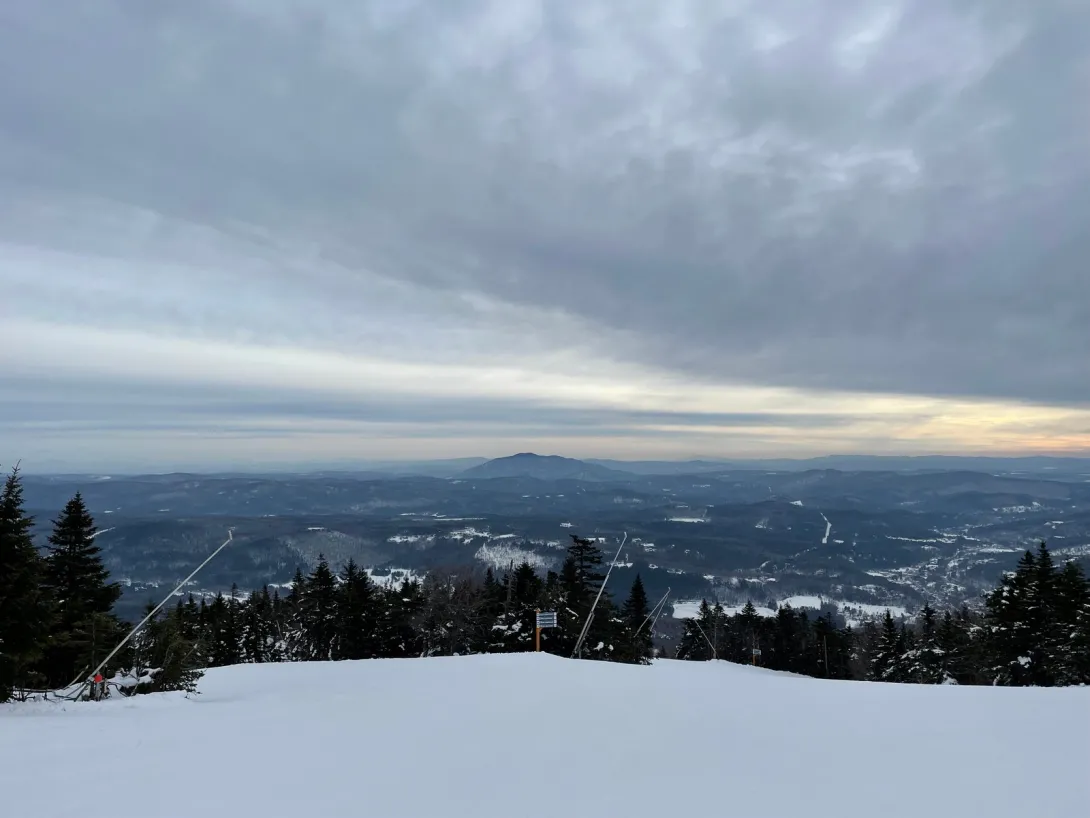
[715,655]
[662,609]
[154,611]
[590,616]
[654,613]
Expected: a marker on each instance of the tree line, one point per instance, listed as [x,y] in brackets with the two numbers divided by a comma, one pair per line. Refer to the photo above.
[56,608]
[57,621]
[329,615]
[1033,629]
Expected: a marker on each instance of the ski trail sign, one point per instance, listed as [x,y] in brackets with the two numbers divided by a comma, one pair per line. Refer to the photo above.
[545,619]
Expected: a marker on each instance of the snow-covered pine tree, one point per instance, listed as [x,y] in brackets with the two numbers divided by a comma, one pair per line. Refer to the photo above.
[1068,644]
[318,612]
[223,630]
[259,628]
[513,610]
[293,645]
[886,661]
[1013,615]
[953,641]
[924,660]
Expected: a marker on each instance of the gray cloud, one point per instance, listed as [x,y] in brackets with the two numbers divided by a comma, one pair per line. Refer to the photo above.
[32,403]
[829,195]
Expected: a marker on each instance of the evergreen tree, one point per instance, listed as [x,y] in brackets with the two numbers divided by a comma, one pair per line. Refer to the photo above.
[586,558]
[787,641]
[318,613]
[513,610]
[1068,644]
[886,663]
[702,635]
[400,608]
[293,637]
[25,609]
[635,615]
[580,581]
[827,648]
[224,630]
[1013,625]
[748,618]
[954,642]
[167,658]
[1043,660]
[259,639]
[924,661]
[84,628]
[450,620]
[357,615]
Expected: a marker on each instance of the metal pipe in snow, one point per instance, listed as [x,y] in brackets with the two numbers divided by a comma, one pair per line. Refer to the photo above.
[154,611]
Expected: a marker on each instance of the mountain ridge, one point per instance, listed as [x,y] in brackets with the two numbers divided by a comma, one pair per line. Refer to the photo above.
[544,467]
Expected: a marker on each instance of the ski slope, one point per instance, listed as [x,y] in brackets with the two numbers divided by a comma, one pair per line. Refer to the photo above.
[529,736]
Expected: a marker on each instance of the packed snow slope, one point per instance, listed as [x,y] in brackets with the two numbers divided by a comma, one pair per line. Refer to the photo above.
[535,735]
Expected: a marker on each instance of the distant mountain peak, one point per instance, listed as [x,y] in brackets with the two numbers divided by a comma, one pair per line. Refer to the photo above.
[544,467]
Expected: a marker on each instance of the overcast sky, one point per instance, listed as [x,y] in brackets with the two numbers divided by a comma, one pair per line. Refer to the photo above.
[245,232]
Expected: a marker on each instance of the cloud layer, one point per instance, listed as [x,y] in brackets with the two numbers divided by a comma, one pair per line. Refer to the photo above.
[614,228]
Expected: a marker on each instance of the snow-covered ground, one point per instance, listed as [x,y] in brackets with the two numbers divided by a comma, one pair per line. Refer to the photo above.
[535,735]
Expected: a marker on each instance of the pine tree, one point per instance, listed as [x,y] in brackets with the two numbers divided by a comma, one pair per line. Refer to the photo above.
[84,629]
[318,613]
[702,635]
[1068,644]
[1013,622]
[293,637]
[450,621]
[886,663]
[259,641]
[580,581]
[25,610]
[748,617]
[224,630]
[924,661]
[357,615]
[587,559]
[176,660]
[1043,661]
[637,629]
[826,647]
[401,606]
[513,611]
[954,642]
[787,641]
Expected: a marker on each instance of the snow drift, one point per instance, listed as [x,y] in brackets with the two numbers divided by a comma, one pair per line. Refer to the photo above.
[522,736]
